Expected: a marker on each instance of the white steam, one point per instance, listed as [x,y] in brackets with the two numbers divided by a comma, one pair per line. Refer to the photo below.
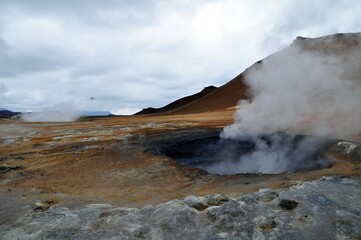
[272,154]
[57,113]
[313,87]
[302,91]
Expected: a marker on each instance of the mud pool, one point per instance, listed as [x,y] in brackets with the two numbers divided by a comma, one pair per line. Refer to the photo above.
[281,152]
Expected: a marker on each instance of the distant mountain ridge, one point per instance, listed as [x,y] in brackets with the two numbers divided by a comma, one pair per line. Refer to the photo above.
[95,113]
[4,113]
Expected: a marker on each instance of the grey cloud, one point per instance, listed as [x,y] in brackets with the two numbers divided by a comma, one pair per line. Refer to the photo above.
[22,63]
[3,90]
[81,9]
[3,45]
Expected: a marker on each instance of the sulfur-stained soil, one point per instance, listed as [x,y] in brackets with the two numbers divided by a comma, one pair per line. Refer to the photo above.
[104,160]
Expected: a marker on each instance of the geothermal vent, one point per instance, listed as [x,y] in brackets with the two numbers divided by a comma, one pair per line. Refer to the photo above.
[268,153]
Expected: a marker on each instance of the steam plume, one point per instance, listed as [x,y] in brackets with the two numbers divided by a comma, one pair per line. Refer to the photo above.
[57,113]
[311,87]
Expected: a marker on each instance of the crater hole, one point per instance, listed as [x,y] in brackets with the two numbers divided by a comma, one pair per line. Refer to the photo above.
[268,153]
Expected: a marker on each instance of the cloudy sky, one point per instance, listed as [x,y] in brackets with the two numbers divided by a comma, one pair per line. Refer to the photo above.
[122,56]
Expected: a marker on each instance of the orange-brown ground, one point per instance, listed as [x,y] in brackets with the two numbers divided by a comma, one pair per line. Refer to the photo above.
[98,159]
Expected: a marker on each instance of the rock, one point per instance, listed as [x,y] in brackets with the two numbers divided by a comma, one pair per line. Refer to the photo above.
[195,202]
[216,199]
[232,208]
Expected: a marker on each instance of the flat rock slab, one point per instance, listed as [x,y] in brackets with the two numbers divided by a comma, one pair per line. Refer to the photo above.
[327,208]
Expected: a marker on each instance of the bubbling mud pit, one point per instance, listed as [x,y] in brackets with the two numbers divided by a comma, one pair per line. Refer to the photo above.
[268,153]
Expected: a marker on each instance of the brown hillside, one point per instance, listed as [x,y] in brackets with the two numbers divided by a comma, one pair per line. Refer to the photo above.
[224,97]
[178,103]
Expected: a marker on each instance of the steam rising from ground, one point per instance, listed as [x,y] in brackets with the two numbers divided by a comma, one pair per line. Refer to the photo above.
[57,113]
[303,91]
[272,154]
[297,90]
[266,153]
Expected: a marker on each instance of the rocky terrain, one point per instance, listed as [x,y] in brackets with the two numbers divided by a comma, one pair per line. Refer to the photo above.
[328,208]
